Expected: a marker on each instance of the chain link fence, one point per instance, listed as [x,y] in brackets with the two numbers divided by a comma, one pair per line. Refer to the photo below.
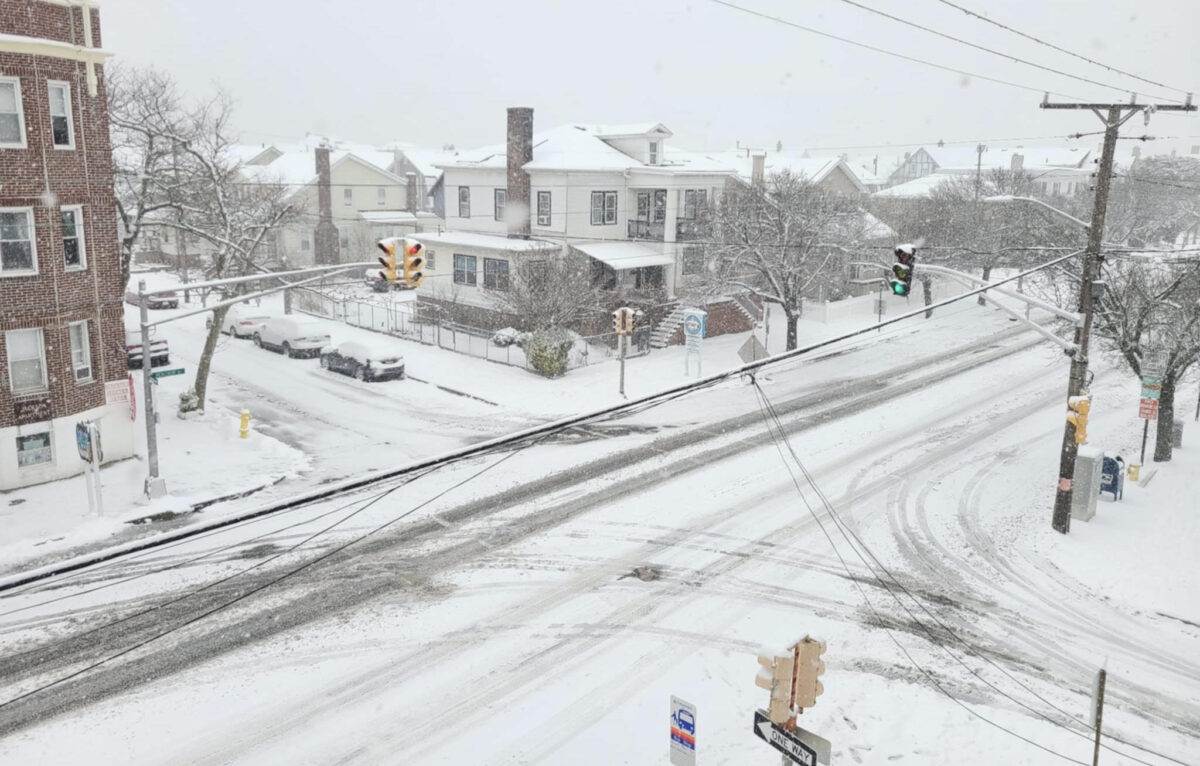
[409,320]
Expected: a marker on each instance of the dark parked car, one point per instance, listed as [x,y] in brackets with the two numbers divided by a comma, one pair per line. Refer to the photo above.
[363,361]
[169,300]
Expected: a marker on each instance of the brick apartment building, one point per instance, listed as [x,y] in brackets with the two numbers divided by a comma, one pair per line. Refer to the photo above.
[62,339]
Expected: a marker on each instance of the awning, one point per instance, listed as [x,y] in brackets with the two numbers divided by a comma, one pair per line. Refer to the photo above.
[622,256]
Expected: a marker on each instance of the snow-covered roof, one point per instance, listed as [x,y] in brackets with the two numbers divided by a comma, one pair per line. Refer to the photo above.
[917,188]
[427,160]
[396,216]
[1001,156]
[487,241]
[815,169]
[580,147]
[622,256]
[629,130]
[298,167]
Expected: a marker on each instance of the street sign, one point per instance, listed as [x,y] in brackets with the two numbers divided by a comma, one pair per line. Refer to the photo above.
[752,350]
[1148,409]
[165,373]
[801,746]
[83,441]
[1154,364]
[683,733]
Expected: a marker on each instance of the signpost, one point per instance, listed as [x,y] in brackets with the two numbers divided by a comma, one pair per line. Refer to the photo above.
[752,350]
[1151,390]
[683,733]
[87,441]
[693,333]
[799,745]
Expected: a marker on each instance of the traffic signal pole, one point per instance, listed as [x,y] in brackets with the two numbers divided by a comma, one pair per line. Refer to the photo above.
[1113,120]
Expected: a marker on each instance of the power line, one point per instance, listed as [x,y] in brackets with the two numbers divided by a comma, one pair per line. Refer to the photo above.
[852,538]
[1057,48]
[884,51]
[1001,54]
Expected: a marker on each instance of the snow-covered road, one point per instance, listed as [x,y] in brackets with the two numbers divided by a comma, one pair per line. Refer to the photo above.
[498,623]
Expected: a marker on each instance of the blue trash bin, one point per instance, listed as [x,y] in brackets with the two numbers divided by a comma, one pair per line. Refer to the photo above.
[1112,477]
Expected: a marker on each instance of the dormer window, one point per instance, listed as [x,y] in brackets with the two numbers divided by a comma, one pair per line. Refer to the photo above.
[653,152]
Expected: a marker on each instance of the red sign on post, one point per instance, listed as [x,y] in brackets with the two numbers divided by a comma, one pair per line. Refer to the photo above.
[1148,409]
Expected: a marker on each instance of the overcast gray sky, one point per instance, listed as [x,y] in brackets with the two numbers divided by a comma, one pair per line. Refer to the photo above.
[443,71]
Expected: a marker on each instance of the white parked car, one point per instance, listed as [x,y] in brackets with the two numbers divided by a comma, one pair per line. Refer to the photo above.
[365,361]
[244,321]
[295,335]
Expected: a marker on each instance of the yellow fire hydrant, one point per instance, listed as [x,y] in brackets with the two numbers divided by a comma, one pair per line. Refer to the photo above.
[1134,470]
[245,429]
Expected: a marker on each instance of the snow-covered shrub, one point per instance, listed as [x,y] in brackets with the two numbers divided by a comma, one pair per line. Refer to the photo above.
[189,404]
[505,337]
[547,350]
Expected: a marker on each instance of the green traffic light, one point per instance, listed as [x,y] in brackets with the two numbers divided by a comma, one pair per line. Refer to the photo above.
[899,288]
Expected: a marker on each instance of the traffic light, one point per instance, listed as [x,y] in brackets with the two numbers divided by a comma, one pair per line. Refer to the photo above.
[1078,408]
[414,262]
[808,669]
[902,271]
[775,675]
[623,321]
[388,259]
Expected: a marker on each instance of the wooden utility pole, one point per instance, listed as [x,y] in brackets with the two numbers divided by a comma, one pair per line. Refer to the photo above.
[1113,116]
[1098,714]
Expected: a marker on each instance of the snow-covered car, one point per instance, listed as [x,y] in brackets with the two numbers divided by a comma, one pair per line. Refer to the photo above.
[365,361]
[244,321]
[375,280]
[295,335]
[169,300]
[135,352]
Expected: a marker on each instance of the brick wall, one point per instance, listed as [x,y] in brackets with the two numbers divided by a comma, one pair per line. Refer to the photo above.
[55,297]
[722,318]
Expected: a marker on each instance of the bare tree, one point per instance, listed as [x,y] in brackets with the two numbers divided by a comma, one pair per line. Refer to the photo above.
[550,292]
[780,240]
[215,203]
[146,117]
[1153,305]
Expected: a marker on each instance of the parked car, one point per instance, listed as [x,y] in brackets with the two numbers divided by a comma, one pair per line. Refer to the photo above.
[169,300]
[375,281]
[135,353]
[295,335]
[243,321]
[363,361]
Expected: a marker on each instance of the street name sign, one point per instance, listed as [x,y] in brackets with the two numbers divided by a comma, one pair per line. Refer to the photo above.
[165,372]
[683,733]
[801,746]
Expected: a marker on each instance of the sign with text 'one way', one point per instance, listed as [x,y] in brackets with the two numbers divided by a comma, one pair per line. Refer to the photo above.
[800,746]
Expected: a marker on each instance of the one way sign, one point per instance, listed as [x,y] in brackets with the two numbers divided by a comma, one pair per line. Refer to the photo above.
[801,746]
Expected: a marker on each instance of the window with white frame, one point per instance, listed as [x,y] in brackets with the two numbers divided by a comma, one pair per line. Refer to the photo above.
[347,196]
[61,128]
[543,208]
[12,118]
[26,360]
[74,254]
[604,208]
[501,200]
[653,152]
[81,351]
[464,202]
[495,274]
[305,241]
[464,269]
[17,246]
[34,449]
[694,201]
[381,195]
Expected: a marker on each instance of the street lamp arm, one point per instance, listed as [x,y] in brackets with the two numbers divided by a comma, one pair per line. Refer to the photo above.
[1013,198]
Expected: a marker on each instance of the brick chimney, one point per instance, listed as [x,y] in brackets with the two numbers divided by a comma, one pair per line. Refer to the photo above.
[520,151]
[410,195]
[757,168]
[325,240]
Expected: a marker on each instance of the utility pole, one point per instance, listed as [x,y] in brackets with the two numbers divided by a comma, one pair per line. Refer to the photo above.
[1114,117]
[155,486]
[1098,715]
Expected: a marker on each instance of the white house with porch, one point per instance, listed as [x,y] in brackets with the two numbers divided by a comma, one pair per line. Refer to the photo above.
[619,195]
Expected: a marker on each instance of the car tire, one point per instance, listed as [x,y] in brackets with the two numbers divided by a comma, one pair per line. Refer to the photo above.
[360,372]
[258,340]
[287,349]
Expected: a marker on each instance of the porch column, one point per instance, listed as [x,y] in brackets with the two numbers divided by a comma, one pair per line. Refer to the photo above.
[669,247]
